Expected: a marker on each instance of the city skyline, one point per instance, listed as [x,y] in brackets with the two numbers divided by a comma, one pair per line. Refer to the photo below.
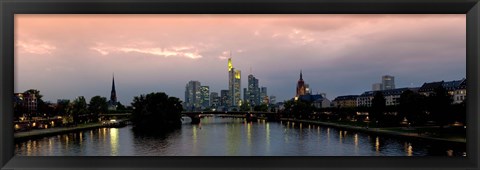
[338,54]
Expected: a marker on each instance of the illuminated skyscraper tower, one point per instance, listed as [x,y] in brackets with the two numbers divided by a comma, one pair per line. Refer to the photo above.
[234,88]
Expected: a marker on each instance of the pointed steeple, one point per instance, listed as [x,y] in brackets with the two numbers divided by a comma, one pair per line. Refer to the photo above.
[113,95]
[301,78]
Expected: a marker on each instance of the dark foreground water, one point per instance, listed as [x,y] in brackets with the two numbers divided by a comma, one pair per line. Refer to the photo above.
[231,137]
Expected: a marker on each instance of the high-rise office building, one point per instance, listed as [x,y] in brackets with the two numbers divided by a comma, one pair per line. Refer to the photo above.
[253,91]
[193,95]
[273,100]
[214,100]
[377,87]
[224,98]
[234,85]
[205,93]
[388,82]
[264,95]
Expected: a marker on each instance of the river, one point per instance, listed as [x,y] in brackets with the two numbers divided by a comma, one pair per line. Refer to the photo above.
[230,137]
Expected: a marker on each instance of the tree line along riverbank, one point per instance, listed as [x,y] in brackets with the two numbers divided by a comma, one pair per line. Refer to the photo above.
[412,133]
[39,133]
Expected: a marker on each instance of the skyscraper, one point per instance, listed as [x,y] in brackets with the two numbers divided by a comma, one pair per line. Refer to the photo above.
[214,100]
[234,87]
[377,87]
[205,99]
[253,91]
[193,95]
[224,99]
[388,82]
[301,88]
[112,103]
[264,95]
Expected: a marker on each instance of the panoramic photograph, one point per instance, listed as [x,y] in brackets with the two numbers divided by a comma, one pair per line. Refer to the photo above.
[240,85]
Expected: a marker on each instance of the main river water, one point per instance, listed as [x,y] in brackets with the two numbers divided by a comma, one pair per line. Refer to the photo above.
[231,137]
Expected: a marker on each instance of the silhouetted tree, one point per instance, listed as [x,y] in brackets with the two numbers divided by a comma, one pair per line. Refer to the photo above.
[412,107]
[79,107]
[156,112]
[96,106]
[378,107]
[440,106]
[245,106]
[121,107]
[62,107]
[263,107]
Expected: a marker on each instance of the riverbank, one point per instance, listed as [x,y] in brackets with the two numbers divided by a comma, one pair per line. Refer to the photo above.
[19,136]
[382,131]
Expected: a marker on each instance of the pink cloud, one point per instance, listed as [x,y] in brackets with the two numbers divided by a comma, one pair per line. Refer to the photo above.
[35,47]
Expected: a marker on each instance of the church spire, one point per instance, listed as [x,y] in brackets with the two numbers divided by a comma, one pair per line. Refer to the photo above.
[301,78]
[113,95]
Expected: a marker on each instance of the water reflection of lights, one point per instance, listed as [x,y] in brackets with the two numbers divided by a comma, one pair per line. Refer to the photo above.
[114,141]
[328,135]
[377,144]
[450,152]
[81,138]
[355,141]
[340,136]
[267,132]
[194,132]
[409,150]
[249,134]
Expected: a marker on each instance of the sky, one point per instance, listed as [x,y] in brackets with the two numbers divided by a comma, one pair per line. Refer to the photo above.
[66,56]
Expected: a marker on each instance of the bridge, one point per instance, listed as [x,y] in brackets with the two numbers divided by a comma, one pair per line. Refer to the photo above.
[249,115]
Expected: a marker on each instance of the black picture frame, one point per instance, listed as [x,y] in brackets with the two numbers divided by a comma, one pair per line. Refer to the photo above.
[9,8]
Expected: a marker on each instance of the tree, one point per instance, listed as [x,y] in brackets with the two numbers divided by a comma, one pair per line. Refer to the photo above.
[440,106]
[79,107]
[120,106]
[298,108]
[263,107]
[97,105]
[378,107]
[245,106]
[156,112]
[62,107]
[412,107]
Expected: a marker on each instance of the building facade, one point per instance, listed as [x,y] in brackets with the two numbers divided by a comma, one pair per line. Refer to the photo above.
[392,96]
[264,95]
[377,86]
[28,101]
[388,82]
[214,100]
[460,93]
[253,91]
[345,101]
[193,96]
[205,97]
